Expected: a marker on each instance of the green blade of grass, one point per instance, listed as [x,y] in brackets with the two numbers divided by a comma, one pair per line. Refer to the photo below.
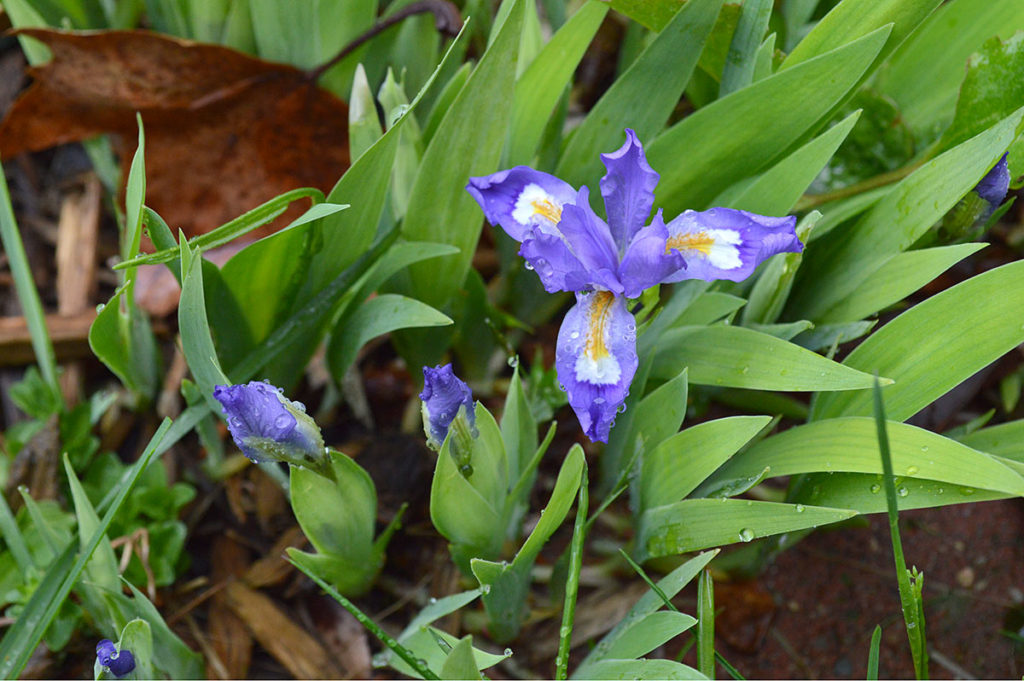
[572,582]
[371,626]
[706,624]
[876,642]
[909,596]
[243,224]
[25,287]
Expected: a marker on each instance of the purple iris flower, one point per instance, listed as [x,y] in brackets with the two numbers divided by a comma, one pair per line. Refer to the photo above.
[605,263]
[443,396]
[267,426]
[119,663]
[994,185]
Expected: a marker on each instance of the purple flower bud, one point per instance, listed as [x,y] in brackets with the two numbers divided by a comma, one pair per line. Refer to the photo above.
[267,426]
[995,184]
[444,396]
[119,663]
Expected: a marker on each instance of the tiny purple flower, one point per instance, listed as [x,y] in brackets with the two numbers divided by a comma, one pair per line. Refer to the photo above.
[444,396]
[267,426]
[572,249]
[119,663]
[994,185]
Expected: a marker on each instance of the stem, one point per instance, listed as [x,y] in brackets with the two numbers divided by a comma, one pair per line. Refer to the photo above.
[371,626]
[808,201]
[446,18]
[912,613]
[572,582]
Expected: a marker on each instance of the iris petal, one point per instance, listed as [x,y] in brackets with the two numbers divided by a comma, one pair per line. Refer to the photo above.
[646,261]
[628,190]
[587,236]
[521,199]
[596,359]
[723,243]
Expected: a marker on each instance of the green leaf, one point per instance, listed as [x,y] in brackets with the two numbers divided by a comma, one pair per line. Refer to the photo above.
[644,96]
[777,190]
[460,510]
[863,492]
[138,638]
[440,209]
[742,358]
[171,657]
[657,417]
[241,225]
[706,624]
[558,506]
[348,234]
[703,448]
[641,669]
[508,584]
[1005,440]
[849,445]
[738,71]
[338,516]
[424,644]
[852,19]
[836,266]
[669,585]
[363,124]
[654,14]
[102,569]
[900,276]
[771,290]
[121,338]
[542,84]
[244,279]
[377,316]
[937,344]
[25,288]
[518,429]
[460,663]
[721,147]
[944,41]
[299,332]
[195,329]
[694,524]
[652,631]
[708,308]
[991,91]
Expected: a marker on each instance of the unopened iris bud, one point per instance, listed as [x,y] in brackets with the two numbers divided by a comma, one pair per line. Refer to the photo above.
[119,663]
[448,406]
[267,426]
[967,218]
[994,185]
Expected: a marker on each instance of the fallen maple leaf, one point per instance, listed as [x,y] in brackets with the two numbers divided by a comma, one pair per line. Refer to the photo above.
[224,131]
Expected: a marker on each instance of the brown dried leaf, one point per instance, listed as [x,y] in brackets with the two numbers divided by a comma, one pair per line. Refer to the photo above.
[228,634]
[301,654]
[224,131]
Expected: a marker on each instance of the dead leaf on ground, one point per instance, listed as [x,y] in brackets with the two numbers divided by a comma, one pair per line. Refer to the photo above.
[225,131]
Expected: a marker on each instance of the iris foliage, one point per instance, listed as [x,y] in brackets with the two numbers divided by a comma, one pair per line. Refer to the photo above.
[810,178]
